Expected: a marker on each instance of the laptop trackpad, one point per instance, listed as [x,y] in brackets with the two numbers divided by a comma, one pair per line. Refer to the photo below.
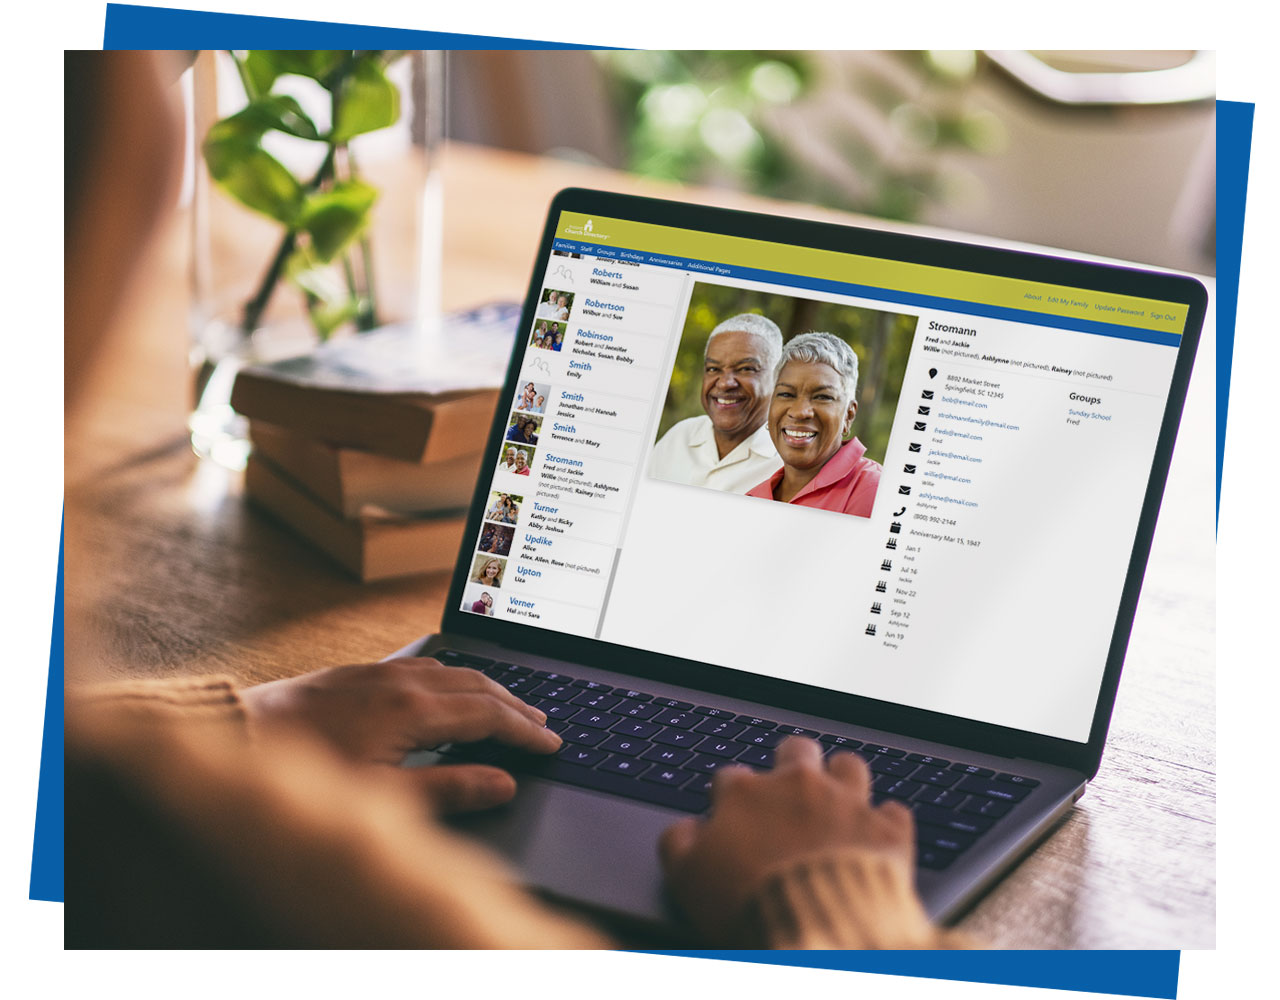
[584,846]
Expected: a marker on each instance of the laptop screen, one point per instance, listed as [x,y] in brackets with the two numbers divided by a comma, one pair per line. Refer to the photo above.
[895,480]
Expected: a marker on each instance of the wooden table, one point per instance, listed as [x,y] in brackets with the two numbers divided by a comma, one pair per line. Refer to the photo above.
[169,572]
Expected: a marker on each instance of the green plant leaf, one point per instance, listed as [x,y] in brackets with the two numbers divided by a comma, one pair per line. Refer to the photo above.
[260,69]
[367,101]
[335,217]
[329,301]
[318,64]
[328,317]
[251,175]
[275,111]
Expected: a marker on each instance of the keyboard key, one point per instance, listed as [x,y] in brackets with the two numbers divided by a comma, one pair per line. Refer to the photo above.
[454,658]
[1017,779]
[759,737]
[924,758]
[604,780]
[519,685]
[557,709]
[494,670]
[596,699]
[881,751]
[937,776]
[582,756]
[557,725]
[592,685]
[700,783]
[751,720]
[756,757]
[666,776]
[786,730]
[554,691]
[515,668]
[713,713]
[896,768]
[1001,790]
[678,738]
[581,735]
[898,788]
[947,840]
[548,675]
[632,695]
[596,720]
[982,772]
[627,745]
[977,805]
[943,798]
[635,709]
[727,749]
[957,822]
[719,727]
[843,742]
[706,764]
[671,756]
[675,703]
[679,720]
[632,727]
[934,858]
[625,765]
[528,699]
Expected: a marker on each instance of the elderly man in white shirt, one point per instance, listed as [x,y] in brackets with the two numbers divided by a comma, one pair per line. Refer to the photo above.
[728,448]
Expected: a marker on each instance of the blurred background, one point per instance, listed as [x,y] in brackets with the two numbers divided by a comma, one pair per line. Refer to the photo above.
[1108,153]
[882,341]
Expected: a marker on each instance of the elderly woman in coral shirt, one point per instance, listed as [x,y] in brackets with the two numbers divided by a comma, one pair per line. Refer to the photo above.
[810,416]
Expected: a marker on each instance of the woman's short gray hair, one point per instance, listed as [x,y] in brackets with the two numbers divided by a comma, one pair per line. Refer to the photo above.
[756,325]
[827,349]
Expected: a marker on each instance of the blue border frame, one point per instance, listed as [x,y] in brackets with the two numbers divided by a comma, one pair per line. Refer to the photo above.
[131,26]
[1235,131]
[1133,973]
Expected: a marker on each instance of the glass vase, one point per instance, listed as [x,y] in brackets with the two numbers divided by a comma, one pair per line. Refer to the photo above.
[266,285]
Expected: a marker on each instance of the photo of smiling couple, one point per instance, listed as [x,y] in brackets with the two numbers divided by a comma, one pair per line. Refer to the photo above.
[782,398]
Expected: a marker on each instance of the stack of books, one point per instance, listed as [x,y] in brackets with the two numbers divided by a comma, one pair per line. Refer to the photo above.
[369,447]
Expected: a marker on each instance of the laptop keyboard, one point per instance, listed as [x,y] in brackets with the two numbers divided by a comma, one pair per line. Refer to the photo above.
[666,751]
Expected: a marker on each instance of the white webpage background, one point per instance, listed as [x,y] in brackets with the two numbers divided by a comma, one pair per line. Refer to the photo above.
[1012,632]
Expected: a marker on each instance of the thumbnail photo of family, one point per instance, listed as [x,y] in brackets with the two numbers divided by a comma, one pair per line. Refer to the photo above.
[503,508]
[478,600]
[487,570]
[516,459]
[554,305]
[496,539]
[782,398]
[548,336]
[532,397]
[523,429]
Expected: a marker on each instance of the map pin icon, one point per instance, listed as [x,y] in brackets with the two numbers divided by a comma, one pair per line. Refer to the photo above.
[933,372]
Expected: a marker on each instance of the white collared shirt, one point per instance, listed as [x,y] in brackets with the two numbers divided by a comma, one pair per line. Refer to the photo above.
[687,453]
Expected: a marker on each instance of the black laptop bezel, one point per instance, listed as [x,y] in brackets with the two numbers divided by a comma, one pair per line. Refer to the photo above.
[851,709]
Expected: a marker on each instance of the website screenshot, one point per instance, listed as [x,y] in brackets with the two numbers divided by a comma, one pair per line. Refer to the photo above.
[934,504]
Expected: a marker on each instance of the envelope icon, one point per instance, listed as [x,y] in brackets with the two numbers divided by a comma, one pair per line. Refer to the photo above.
[913,446]
[905,490]
[927,394]
[919,425]
[909,468]
[923,411]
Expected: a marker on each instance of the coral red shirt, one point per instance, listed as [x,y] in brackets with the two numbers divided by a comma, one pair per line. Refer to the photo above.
[847,483]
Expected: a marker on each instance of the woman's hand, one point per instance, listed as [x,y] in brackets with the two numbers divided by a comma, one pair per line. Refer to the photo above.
[377,712]
[759,822]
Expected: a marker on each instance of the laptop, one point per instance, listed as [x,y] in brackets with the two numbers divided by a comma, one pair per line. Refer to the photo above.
[704,562]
